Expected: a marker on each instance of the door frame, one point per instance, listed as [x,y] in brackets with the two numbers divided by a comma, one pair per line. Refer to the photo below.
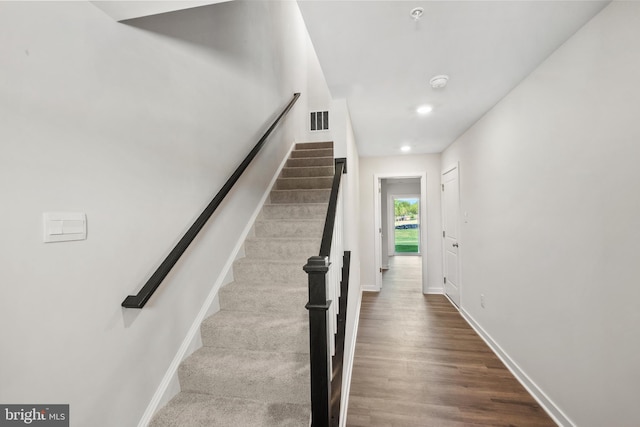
[444,171]
[377,223]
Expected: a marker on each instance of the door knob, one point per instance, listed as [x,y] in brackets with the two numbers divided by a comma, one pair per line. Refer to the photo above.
[455,245]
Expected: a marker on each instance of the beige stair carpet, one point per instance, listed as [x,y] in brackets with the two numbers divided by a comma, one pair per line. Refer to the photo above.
[253,368]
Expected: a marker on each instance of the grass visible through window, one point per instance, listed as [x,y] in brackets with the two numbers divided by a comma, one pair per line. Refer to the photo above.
[407,229]
[407,240]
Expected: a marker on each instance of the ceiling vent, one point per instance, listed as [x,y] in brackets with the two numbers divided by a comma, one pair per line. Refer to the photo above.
[319,121]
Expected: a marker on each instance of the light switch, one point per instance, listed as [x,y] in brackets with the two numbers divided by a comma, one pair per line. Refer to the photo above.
[55,227]
[64,226]
[72,226]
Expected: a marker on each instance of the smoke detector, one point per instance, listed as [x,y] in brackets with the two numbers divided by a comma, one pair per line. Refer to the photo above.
[416,13]
[438,82]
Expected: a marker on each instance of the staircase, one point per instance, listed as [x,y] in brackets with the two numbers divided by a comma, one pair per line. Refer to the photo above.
[253,368]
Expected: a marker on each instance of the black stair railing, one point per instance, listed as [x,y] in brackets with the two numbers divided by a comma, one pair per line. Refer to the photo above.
[327,320]
[141,298]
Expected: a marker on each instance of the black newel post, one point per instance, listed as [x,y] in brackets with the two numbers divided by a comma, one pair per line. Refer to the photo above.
[318,306]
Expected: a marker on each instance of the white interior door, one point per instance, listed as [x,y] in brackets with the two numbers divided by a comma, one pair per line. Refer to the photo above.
[378,230]
[451,233]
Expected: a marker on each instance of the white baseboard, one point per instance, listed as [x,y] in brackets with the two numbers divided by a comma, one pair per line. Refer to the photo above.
[547,404]
[435,290]
[370,288]
[167,388]
[348,364]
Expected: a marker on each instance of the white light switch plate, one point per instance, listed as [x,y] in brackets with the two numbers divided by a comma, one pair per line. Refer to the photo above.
[64,226]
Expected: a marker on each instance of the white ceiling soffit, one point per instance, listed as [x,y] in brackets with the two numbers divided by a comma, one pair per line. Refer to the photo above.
[374,54]
[123,10]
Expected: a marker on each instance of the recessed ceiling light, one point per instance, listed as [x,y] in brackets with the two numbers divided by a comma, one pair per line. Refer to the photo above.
[424,109]
[405,148]
[438,82]
[416,13]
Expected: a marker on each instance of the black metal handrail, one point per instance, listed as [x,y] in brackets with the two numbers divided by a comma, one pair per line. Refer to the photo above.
[325,385]
[327,234]
[141,298]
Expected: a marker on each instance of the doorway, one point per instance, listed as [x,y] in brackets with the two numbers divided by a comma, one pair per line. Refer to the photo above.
[404,224]
[400,212]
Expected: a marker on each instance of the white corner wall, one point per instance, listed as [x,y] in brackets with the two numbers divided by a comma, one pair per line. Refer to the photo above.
[138,125]
[345,146]
[549,180]
[385,248]
[369,168]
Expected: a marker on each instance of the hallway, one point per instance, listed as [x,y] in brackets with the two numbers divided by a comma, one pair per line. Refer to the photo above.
[418,363]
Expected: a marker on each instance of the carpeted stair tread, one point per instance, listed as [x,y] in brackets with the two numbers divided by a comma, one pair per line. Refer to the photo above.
[300,196]
[313,145]
[304,183]
[261,331]
[294,210]
[265,296]
[266,376]
[202,410]
[284,271]
[310,161]
[308,171]
[289,228]
[312,152]
[260,282]
[281,247]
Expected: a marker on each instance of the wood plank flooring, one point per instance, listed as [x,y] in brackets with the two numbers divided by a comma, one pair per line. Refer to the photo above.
[418,363]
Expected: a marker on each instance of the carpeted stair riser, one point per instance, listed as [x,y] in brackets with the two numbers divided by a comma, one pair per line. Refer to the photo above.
[295,228]
[265,376]
[317,152]
[267,297]
[250,270]
[300,196]
[310,161]
[281,248]
[313,145]
[196,409]
[304,183]
[299,211]
[308,172]
[261,331]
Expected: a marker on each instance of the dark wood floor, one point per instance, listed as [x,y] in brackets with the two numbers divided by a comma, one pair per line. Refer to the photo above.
[418,363]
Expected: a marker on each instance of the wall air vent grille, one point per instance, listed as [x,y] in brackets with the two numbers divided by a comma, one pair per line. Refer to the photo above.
[319,120]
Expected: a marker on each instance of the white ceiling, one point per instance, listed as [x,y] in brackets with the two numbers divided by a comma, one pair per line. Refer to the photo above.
[378,58]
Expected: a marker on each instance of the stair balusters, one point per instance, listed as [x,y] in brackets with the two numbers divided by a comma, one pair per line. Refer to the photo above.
[328,282]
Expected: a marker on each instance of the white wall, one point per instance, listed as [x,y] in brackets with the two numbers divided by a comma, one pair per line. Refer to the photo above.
[401,165]
[345,146]
[403,187]
[549,179]
[384,220]
[137,125]
[320,100]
